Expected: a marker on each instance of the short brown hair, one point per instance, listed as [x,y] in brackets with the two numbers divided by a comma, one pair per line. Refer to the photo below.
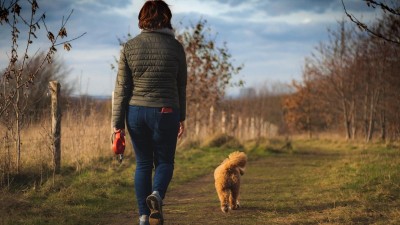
[155,14]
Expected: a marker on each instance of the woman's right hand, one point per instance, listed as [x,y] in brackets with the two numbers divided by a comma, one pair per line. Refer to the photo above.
[119,130]
[181,129]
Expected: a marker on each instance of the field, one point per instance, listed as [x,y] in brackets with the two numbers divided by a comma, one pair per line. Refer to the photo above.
[315,182]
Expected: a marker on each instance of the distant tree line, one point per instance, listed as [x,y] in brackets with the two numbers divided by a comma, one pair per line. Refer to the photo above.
[351,84]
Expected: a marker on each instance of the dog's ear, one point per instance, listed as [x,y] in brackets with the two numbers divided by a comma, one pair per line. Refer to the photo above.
[241,170]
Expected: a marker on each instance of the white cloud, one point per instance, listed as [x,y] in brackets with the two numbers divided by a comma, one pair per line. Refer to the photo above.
[270,37]
[207,8]
[91,70]
[256,12]
[130,10]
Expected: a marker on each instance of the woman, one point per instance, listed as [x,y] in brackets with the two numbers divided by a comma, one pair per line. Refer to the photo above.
[150,94]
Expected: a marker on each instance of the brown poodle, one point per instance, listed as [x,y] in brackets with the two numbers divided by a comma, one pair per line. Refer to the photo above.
[227,180]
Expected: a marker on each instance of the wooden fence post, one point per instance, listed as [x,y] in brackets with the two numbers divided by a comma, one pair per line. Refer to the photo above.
[197,120]
[252,128]
[211,120]
[112,110]
[223,122]
[55,87]
[246,128]
[233,127]
[240,128]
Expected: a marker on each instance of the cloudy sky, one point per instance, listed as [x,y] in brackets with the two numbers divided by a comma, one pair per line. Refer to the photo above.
[270,38]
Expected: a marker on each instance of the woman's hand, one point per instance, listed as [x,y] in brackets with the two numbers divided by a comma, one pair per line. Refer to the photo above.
[181,129]
[119,130]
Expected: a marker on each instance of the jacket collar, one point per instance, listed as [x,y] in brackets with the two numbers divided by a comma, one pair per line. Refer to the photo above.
[162,30]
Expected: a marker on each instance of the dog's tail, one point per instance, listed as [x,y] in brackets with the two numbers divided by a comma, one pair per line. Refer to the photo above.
[237,160]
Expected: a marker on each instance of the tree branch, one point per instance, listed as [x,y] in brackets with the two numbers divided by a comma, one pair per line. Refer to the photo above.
[384,7]
[73,39]
[364,27]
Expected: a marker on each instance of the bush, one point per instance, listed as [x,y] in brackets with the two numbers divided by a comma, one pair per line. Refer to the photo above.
[223,141]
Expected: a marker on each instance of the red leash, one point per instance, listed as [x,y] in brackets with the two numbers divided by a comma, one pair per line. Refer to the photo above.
[118,144]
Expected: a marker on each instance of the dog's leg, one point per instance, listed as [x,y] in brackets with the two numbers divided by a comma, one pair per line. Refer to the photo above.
[223,196]
[234,197]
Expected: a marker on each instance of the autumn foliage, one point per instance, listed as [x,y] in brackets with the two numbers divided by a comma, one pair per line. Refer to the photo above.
[350,85]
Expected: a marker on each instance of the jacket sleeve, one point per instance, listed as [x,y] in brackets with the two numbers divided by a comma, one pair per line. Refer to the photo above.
[182,82]
[122,92]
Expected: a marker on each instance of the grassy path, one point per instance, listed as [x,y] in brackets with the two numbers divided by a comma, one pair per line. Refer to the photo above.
[307,187]
[280,189]
[316,183]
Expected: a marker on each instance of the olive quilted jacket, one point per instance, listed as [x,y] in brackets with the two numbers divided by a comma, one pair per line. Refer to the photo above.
[151,72]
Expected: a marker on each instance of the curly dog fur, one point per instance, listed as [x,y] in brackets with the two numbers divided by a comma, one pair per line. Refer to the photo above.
[227,180]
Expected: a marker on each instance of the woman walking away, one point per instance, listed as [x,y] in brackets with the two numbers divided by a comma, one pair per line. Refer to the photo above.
[150,95]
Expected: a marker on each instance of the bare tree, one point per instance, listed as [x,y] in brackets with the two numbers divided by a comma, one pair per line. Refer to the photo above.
[18,79]
[355,78]
[36,99]
[210,70]
[383,58]
[331,71]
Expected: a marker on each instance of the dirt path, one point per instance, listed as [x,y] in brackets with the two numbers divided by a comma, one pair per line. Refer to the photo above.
[197,202]
[279,189]
[272,190]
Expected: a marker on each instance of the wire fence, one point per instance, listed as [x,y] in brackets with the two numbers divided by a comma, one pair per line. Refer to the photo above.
[85,136]
[228,123]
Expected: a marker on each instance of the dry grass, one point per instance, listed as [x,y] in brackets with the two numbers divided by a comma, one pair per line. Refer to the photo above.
[84,139]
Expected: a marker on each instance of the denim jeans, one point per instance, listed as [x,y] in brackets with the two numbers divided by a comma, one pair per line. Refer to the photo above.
[154,136]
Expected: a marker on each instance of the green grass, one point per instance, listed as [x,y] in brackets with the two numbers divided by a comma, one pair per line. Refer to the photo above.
[74,198]
[314,182]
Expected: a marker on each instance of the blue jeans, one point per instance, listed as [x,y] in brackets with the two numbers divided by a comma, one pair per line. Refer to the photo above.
[154,136]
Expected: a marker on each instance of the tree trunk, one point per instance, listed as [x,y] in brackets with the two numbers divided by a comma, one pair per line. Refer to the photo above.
[309,126]
[353,126]
[346,120]
[371,125]
[211,126]
[372,113]
[366,113]
[383,125]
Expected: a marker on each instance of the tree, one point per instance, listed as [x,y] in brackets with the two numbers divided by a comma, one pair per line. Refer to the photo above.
[210,70]
[304,109]
[383,59]
[331,71]
[19,79]
[354,78]
[36,99]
